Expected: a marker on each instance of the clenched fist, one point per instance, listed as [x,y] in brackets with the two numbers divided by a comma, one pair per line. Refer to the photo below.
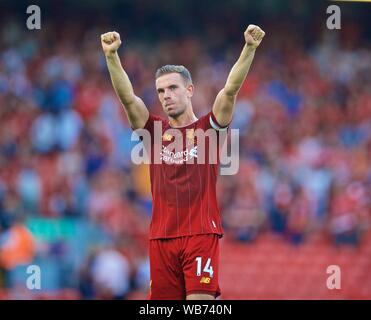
[253,35]
[110,42]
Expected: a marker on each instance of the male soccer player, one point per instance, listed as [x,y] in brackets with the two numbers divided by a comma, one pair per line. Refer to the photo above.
[186,225]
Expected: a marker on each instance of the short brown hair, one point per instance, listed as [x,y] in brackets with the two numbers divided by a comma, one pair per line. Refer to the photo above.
[170,68]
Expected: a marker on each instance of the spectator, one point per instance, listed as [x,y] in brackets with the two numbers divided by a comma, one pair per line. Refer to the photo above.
[110,274]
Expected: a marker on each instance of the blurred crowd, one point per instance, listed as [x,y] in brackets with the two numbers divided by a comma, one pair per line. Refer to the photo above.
[304,115]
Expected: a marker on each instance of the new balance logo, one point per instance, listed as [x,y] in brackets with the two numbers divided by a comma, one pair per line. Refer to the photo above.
[167,137]
[205,280]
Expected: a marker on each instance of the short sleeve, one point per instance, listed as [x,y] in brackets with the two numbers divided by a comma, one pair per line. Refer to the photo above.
[214,123]
[149,126]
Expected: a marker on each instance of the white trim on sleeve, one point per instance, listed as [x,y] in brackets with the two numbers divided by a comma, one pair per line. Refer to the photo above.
[215,126]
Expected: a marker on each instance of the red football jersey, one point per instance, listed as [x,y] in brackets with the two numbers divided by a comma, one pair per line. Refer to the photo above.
[183,180]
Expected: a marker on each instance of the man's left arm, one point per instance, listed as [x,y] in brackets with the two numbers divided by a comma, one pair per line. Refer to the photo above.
[223,107]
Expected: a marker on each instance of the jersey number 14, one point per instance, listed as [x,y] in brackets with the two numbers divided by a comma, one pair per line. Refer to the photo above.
[208,268]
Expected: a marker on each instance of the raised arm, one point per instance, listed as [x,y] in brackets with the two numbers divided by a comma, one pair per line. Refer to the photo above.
[223,107]
[134,107]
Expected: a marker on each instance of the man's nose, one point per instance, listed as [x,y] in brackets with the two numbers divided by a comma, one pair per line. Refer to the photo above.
[167,94]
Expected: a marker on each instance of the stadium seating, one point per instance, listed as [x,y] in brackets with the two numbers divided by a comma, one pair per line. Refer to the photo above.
[273,269]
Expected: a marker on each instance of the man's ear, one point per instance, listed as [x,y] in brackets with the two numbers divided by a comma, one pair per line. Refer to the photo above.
[190,90]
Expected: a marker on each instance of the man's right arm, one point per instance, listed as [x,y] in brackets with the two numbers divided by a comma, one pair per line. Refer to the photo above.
[134,107]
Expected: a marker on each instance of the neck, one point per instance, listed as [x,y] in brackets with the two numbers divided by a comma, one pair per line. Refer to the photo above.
[184,119]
